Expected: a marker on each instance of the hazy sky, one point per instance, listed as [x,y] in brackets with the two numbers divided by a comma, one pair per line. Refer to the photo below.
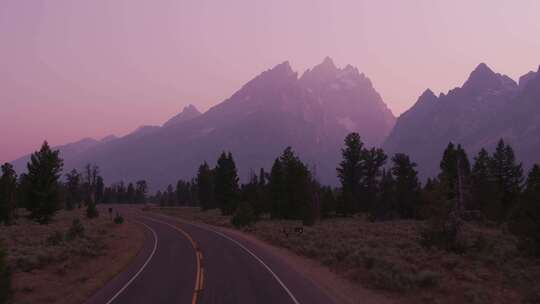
[72,69]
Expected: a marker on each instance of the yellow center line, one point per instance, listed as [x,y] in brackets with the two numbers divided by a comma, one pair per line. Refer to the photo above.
[199,278]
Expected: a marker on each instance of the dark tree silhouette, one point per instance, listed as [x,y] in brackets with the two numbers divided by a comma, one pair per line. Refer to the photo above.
[205,187]
[407,186]
[291,187]
[226,187]
[141,188]
[484,191]
[44,170]
[350,172]
[525,219]
[8,191]
[73,189]
[508,177]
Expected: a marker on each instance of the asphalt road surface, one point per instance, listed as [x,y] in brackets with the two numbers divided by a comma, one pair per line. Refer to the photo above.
[191,263]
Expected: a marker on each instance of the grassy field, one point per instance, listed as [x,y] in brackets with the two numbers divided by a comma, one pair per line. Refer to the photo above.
[387,256]
[64,263]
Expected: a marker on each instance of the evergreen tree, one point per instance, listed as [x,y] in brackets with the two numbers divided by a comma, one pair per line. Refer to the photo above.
[277,190]
[8,190]
[525,219]
[73,189]
[131,193]
[455,171]
[374,159]
[507,176]
[140,192]
[44,171]
[407,186]
[91,173]
[350,172]
[385,208]
[485,192]
[291,187]
[100,189]
[205,187]
[328,201]
[170,196]
[226,184]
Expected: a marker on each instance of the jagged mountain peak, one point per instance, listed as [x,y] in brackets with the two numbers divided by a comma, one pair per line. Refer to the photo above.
[188,112]
[427,96]
[483,79]
[523,80]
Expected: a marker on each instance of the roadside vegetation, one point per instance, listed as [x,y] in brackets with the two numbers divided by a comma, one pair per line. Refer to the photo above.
[54,245]
[469,235]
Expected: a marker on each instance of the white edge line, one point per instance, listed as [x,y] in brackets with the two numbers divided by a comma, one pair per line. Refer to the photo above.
[248,251]
[142,267]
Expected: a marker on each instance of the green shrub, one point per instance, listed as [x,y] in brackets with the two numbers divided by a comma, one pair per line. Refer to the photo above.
[91,211]
[5,278]
[244,215]
[118,219]
[55,239]
[76,230]
[427,279]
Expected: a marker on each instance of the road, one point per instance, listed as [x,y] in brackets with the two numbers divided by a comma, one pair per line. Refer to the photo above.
[193,263]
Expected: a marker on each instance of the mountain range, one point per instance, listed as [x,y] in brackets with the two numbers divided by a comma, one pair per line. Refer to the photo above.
[312,113]
[487,107]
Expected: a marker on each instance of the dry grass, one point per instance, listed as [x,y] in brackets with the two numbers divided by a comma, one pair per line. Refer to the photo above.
[51,265]
[387,256]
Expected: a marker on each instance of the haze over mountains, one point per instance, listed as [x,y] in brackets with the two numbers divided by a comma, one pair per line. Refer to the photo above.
[312,113]
[488,106]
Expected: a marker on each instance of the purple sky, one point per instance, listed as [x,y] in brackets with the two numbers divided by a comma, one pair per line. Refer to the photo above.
[72,69]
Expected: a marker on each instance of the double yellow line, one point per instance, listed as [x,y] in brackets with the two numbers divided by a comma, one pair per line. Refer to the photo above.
[199,278]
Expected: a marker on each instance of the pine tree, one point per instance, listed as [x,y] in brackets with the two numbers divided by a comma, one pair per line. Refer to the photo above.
[43,195]
[525,218]
[8,191]
[291,187]
[455,171]
[226,184]
[91,173]
[508,177]
[100,189]
[205,187]
[374,160]
[484,191]
[350,172]
[407,186]
[73,189]
[141,187]
[131,193]
[385,208]
[277,190]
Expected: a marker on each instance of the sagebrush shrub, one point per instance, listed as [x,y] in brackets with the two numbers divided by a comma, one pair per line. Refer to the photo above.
[76,230]
[118,219]
[243,216]
[5,278]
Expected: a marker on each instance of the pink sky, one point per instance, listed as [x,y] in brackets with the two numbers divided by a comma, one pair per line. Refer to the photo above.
[73,69]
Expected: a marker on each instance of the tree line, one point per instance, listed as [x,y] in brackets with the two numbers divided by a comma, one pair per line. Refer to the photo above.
[491,187]
[42,191]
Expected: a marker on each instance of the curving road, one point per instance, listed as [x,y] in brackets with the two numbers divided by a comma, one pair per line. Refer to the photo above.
[191,263]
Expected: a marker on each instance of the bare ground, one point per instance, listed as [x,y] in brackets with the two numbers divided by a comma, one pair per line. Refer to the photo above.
[346,256]
[51,265]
